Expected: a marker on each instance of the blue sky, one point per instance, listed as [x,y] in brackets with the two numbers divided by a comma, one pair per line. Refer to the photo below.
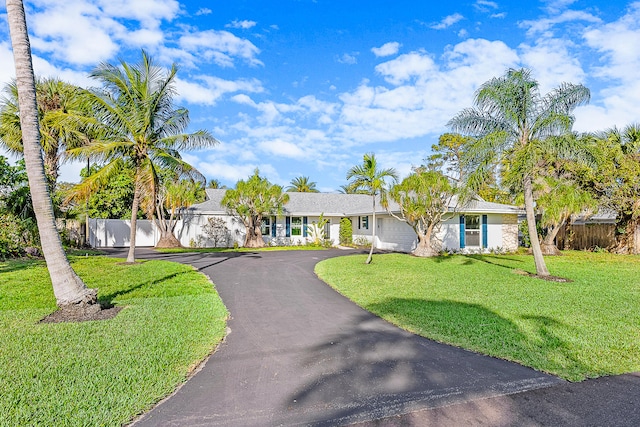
[306,87]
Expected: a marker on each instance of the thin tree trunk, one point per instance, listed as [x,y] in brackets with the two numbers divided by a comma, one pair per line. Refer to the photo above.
[541,267]
[131,255]
[68,288]
[373,239]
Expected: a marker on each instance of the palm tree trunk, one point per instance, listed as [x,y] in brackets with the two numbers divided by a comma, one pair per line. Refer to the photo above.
[373,239]
[548,243]
[68,288]
[538,258]
[131,255]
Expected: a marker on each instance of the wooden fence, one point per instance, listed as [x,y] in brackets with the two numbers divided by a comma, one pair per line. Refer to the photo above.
[586,236]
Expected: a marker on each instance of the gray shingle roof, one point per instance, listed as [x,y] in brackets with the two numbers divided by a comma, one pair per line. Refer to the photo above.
[334,204]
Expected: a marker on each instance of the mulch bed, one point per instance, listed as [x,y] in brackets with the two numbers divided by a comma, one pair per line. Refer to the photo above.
[547,278]
[81,314]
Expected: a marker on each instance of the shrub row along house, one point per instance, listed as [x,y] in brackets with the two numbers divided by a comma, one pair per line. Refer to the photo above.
[476,226]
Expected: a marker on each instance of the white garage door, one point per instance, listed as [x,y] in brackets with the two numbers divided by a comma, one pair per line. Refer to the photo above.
[396,235]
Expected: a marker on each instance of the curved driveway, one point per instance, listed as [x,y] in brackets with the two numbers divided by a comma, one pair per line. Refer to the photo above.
[298,353]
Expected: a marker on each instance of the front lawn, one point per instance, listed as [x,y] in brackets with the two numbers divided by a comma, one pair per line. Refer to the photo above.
[586,328]
[102,372]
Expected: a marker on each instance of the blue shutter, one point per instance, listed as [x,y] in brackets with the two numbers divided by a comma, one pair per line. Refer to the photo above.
[288,226]
[273,226]
[484,231]
[304,226]
[461,231]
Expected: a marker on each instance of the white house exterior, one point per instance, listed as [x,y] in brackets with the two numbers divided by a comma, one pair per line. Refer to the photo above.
[475,227]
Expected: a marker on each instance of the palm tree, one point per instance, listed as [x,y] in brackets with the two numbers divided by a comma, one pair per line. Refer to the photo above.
[371,179]
[302,184]
[63,121]
[511,119]
[68,288]
[143,131]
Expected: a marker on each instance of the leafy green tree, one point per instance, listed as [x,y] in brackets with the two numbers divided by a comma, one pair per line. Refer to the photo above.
[511,120]
[173,197]
[368,177]
[302,184]
[617,183]
[346,231]
[448,153]
[142,130]
[215,184]
[251,201]
[63,118]
[423,199]
[68,288]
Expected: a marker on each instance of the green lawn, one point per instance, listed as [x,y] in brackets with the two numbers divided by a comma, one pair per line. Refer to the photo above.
[586,328]
[102,372]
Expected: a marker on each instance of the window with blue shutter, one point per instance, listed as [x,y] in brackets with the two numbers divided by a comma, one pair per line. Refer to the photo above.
[288,226]
[462,231]
[304,226]
[484,231]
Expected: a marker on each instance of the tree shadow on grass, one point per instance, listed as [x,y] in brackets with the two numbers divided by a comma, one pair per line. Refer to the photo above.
[373,369]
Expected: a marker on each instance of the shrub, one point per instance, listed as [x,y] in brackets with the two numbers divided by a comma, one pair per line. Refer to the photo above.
[346,231]
[16,235]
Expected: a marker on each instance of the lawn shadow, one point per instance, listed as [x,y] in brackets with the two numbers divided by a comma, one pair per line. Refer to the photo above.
[494,260]
[372,369]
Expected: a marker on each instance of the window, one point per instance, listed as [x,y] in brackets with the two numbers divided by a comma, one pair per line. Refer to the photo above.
[296,226]
[472,230]
[363,222]
[327,230]
[266,226]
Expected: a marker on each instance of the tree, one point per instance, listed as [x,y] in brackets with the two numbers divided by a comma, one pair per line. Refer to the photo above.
[512,120]
[62,114]
[346,231]
[423,199]
[251,201]
[302,184]
[215,184]
[173,196]
[617,182]
[448,153]
[370,178]
[217,231]
[68,288]
[142,129]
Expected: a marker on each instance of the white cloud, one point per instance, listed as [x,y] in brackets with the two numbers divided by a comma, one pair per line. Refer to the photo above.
[244,25]
[405,67]
[220,47]
[544,24]
[448,21]
[348,58]
[207,90]
[386,49]
[485,5]
[552,63]
[204,11]
[282,148]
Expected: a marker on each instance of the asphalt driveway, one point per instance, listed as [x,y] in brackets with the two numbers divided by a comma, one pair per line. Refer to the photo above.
[298,353]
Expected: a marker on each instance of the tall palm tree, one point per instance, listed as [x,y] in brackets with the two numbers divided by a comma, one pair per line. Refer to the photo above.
[511,119]
[302,184]
[370,178]
[68,288]
[143,130]
[62,116]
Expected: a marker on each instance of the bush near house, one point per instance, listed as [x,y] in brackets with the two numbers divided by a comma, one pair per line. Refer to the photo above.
[346,231]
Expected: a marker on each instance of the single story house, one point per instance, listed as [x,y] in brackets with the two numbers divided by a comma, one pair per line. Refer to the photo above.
[477,226]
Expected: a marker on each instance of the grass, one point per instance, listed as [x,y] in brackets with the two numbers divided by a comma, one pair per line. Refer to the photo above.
[102,372]
[216,250]
[589,327]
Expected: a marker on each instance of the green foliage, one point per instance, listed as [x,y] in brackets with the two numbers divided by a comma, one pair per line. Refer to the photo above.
[302,184]
[576,330]
[114,198]
[448,153]
[252,200]
[346,231]
[315,231]
[104,372]
[15,235]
